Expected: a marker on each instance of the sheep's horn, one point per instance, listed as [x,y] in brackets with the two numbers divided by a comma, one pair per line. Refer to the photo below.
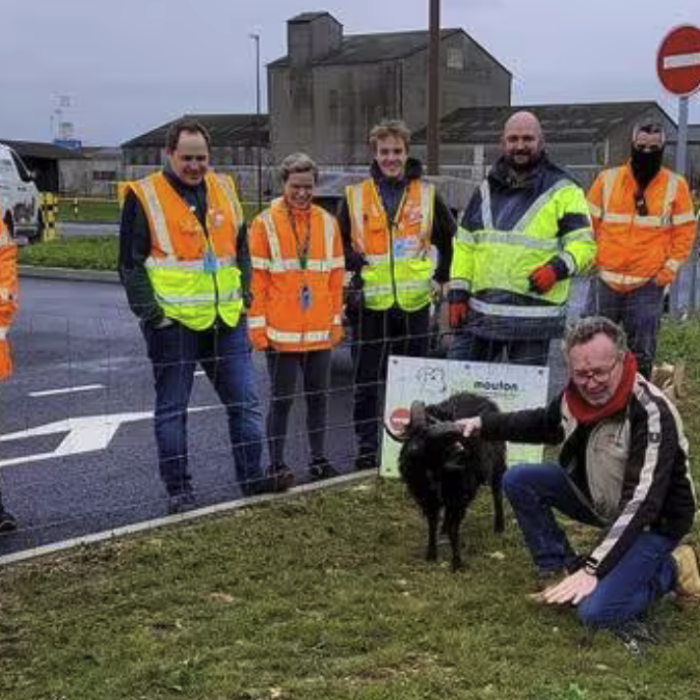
[396,437]
[444,428]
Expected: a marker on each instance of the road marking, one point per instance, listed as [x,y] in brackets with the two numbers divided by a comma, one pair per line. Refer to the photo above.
[199,373]
[66,390]
[339,481]
[85,434]
[682,60]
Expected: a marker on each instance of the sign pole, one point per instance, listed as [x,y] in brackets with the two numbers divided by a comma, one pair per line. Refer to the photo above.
[682,144]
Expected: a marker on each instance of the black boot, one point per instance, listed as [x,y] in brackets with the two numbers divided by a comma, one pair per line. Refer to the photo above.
[281,477]
[7,521]
[320,468]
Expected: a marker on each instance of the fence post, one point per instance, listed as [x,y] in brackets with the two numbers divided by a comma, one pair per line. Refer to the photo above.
[75,208]
[49,205]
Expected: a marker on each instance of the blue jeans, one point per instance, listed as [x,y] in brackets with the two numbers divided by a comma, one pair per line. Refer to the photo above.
[474,348]
[644,573]
[639,313]
[225,355]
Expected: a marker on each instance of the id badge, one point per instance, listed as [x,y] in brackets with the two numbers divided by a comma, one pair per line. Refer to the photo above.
[404,248]
[305,298]
[210,262]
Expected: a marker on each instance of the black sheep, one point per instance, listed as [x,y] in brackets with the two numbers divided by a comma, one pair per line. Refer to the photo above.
[443,470]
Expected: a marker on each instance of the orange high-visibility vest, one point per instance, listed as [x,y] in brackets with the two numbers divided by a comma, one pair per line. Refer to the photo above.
[635,247]
[399,266]
[194,273]
[297,289]
[8,295]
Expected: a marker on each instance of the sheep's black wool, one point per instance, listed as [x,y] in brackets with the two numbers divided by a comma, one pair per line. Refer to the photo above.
[443,470]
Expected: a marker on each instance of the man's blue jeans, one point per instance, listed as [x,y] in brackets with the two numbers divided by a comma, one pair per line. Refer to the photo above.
[645,572]
[225,355]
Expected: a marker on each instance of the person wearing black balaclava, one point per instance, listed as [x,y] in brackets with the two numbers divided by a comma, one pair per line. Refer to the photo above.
[644,223]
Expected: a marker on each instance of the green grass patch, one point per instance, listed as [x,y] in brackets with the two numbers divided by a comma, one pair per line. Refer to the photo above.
[80,253]
[88,210]
[323,597]
[108,211]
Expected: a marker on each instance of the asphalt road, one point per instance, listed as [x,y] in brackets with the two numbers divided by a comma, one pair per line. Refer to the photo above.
[74,229]
[85,461]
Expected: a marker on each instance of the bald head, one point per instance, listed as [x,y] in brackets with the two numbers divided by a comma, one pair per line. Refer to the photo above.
[522,141]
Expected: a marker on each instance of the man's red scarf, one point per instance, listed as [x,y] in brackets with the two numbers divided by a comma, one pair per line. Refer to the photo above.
[585,413]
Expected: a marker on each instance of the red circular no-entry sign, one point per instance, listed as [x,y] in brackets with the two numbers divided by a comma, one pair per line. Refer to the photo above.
[399,419]
[678,60]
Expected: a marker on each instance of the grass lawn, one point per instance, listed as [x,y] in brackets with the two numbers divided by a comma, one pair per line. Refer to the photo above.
[107,210]
[82,253]
[324,597]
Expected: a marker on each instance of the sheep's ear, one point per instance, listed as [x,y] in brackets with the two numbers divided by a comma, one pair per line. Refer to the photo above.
[395,436]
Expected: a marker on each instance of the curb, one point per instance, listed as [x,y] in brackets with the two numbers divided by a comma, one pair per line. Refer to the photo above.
[70,274]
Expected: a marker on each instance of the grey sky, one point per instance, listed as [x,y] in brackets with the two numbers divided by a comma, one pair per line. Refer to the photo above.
[131,65]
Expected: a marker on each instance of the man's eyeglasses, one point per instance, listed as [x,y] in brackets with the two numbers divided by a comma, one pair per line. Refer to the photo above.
[600,375]
[192,159]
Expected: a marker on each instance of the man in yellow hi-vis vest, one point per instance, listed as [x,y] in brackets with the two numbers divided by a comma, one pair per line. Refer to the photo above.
[389,222]
[183,262]
[525,233]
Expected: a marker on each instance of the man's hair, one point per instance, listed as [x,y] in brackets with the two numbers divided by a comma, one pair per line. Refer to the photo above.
[298,163]
[390,127]
[649,126]
[187,125]
[585,329]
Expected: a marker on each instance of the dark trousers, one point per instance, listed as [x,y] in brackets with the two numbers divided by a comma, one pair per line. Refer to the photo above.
[637,311]
[468,346]
[380,334]
[315,370]
[644,573]
[225,355]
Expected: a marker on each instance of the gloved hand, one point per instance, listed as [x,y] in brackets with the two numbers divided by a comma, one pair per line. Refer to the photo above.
[437,290]
[459,310]
[543,279]
[664,276]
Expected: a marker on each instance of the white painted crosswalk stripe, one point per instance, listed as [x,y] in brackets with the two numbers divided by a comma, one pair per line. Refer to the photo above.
[66,390]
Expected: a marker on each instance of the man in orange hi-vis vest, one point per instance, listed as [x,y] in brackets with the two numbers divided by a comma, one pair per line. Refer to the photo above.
[8,309]
[644,225]
[295,316]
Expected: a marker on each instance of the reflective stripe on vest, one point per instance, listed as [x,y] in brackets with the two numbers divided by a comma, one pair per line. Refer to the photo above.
[516,311]
[294,337]
[256,321]
[277,263]
[623,280]
[3,332]
[158,216]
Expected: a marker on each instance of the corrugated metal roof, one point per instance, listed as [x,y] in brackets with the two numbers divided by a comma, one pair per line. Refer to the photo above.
[373,48]
[46,151]
[226,130]
[561,123]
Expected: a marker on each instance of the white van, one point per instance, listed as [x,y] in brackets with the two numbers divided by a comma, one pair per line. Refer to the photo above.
[19,197]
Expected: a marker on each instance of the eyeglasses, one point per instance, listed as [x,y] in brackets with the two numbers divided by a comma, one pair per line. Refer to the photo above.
[600,375]
[191,159]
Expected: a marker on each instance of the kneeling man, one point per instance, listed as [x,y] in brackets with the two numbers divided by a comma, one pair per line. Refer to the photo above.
[623,467]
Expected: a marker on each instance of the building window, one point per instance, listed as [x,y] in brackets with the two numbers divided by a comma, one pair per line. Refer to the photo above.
[455,58]
[104,175]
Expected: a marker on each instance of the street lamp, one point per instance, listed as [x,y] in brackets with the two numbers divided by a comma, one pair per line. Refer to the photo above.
[258,126]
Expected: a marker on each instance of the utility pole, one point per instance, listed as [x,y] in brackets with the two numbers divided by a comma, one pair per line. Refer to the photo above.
[258,119]
[433,142]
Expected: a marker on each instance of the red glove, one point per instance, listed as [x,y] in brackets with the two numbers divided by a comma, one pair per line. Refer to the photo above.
[543,279]
[459,310]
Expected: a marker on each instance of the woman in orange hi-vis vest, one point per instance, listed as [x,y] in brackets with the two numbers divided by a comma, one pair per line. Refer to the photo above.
[295,316]
[8,309]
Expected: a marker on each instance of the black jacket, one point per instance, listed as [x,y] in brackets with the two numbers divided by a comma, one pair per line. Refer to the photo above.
[444,225]
[135,247]
[657,492]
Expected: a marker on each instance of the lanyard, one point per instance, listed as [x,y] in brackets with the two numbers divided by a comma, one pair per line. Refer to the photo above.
[301,246]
